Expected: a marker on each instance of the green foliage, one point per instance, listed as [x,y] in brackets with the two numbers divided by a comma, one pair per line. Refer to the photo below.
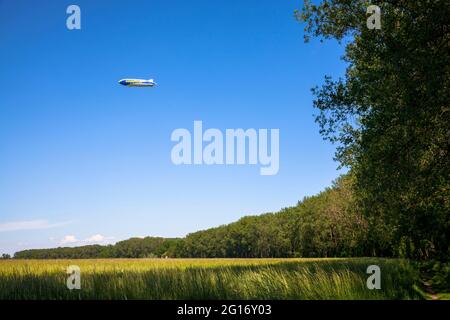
[390,118]
[143,247]
[131,248]
[325,225]
[438,274]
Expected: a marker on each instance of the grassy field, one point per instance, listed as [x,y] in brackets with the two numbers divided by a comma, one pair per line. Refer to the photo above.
[208,279]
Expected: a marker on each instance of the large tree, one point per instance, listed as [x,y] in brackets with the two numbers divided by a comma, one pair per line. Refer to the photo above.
[390,116]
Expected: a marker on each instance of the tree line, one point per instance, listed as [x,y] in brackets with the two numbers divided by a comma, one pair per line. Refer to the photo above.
[390,117]
[325,225]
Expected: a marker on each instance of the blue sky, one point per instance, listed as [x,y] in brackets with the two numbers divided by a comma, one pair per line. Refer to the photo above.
[85,160]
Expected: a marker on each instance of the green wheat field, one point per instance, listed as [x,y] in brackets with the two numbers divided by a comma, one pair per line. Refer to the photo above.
[208,279]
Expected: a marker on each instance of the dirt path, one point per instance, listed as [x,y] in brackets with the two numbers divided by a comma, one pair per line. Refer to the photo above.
[429,290]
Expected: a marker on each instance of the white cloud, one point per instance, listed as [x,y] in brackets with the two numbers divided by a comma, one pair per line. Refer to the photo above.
[96,238]
[69,239]
[29,225]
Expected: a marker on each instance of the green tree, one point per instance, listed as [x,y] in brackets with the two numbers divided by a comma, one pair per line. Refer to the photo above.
[390,117]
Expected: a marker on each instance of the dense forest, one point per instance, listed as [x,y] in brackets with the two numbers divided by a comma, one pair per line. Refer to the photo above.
[389,117]
[325,225]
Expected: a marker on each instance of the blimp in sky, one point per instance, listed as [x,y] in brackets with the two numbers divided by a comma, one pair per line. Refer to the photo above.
[137,82]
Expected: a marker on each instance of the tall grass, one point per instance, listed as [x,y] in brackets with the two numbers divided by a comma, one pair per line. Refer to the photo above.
[207,279]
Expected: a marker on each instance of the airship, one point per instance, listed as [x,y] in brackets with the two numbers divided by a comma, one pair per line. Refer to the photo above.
[137,82]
